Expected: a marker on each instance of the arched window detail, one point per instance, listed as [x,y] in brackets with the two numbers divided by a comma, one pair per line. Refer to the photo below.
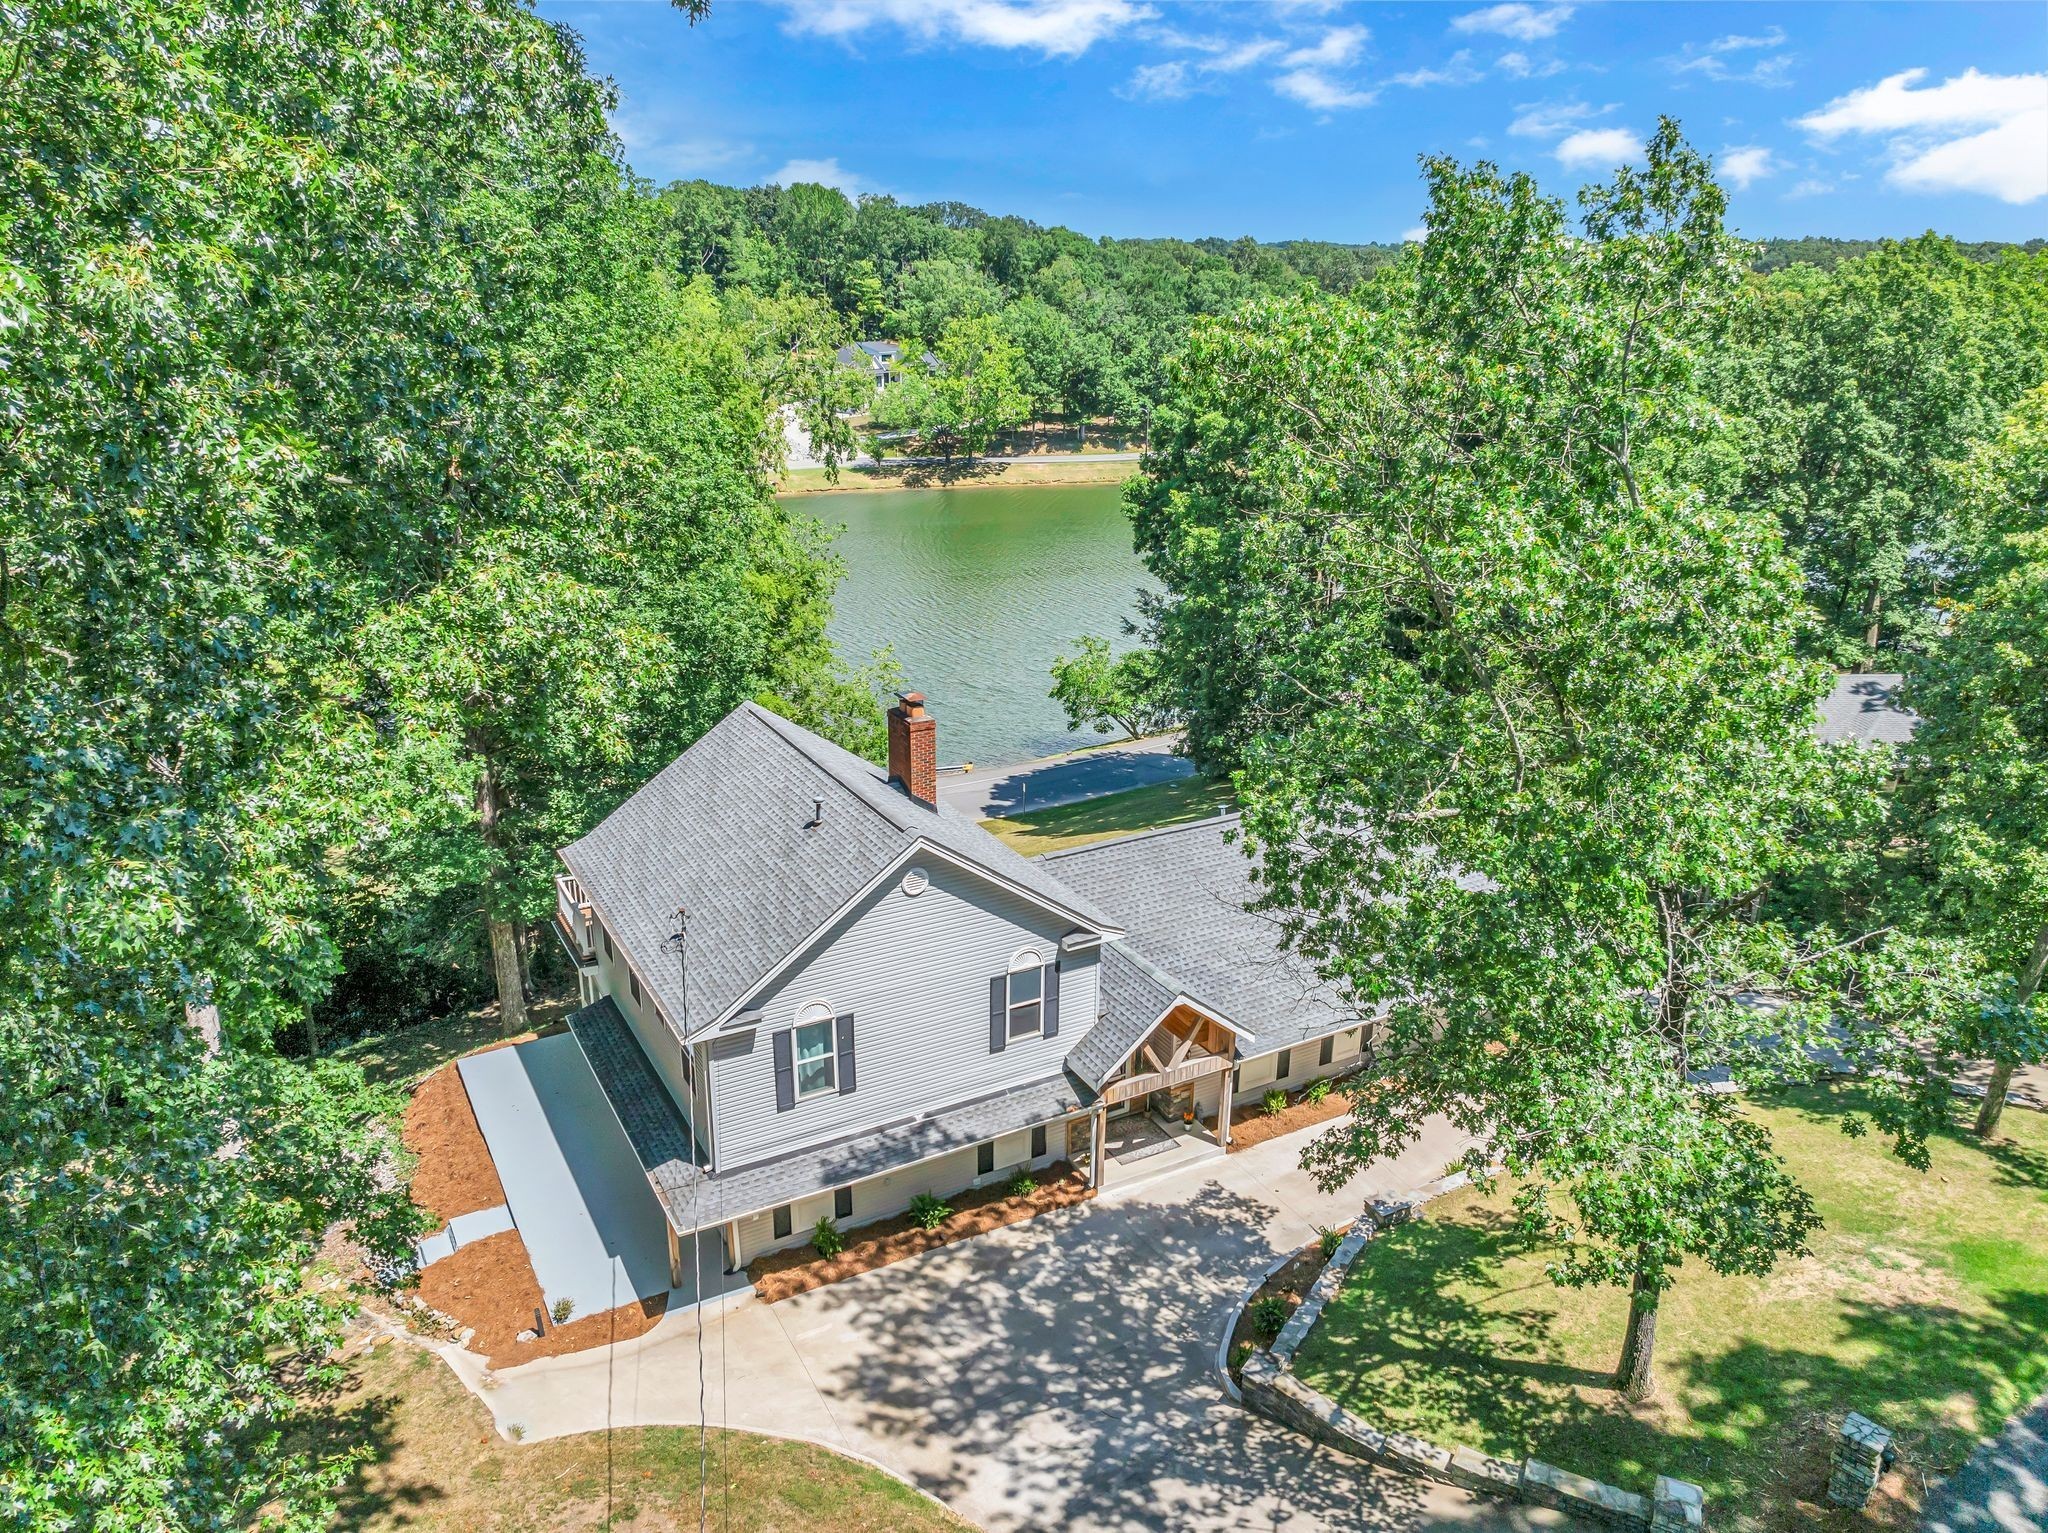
[1026,993]
[817,1064]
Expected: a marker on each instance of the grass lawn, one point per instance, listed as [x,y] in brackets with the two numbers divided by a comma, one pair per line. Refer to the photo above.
[437,1463]
[956,476]
[1924,1304]
[405,1056]
[1114,814]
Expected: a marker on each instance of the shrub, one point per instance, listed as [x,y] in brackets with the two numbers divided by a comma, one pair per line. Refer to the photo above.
[562,1309]
[928,1212]
[1275,1101]
[1023,1184]
[826,1239]
[1269,1315]
[1328,1240]
[1318,1090]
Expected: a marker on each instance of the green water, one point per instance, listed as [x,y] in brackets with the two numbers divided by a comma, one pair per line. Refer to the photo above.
[977,590]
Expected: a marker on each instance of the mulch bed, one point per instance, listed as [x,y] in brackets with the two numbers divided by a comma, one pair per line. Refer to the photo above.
[1292,1283]
[489,1284]
[455,1174]
[784,1274]
[1251,1124]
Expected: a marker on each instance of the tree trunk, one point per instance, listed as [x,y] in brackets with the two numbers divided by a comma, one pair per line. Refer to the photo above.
[1872,633]
[2001,1072]
[504,941]
[1639,1346]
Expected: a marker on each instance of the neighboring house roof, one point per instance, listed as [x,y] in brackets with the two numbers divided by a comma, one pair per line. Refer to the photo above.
[730,832]
[1183,894]
[1865,708]
[870,353]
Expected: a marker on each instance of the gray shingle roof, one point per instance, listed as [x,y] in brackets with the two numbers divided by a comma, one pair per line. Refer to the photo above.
[1865,708]
[692,1198]
[729,832]
[645,1111]
[1183,894]
[1135,996]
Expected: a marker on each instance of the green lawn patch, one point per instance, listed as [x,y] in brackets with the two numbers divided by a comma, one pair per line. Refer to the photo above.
[1924,1304]
[1114,814]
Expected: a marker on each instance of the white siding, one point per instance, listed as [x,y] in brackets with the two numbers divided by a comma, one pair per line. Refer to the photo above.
[1258,1074]
[914,971]
[880,1196]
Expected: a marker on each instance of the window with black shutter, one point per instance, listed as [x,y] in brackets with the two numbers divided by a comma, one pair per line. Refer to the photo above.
[985,1158]
[1284,1068]
[842,1203]
[782,1222]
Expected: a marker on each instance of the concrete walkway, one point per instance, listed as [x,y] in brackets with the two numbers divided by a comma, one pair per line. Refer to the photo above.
[1054,1374]
[2003,1488]
[1064,779]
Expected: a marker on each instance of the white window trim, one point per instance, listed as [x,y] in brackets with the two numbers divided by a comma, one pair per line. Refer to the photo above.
[1024,961]
[817,1014]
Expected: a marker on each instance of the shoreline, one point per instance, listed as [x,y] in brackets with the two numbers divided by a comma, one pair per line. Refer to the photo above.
[990,474]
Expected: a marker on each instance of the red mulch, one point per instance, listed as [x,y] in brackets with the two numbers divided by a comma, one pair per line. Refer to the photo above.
[489,1284]
[455,1174]
[783,1274]
[1251,1124]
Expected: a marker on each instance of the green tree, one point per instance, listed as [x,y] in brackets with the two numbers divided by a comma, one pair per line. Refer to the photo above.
[1513,710]
[1100,690]
[1979,775]
[1850,389]
[976,388]
[863,299]
[935,294]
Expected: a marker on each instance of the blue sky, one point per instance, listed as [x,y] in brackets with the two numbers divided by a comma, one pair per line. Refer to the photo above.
[1304,120]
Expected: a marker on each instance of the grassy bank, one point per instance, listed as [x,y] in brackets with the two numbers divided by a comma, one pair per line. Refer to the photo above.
[954,476]
[1924,1304]
[1114,814]
[435,1462]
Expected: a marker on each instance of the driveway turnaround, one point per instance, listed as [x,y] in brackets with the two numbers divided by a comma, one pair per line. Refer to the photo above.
[577,1192]
[1054,1374]
[1065,779]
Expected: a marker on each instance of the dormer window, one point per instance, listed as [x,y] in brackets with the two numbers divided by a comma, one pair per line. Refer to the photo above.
[1026,994]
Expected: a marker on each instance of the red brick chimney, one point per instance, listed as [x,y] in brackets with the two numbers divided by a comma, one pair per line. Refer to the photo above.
[914,749]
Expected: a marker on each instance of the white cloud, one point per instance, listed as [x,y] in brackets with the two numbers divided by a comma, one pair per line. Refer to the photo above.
[1597,148]
[1810,188]
[1055,28]
[822,172]
[1244,55]
[1712,59]
[1158,82]
[1311,87]
[1339,45]
[1416,235]
[1745,165]
[1927,138]
[1520,66]
[1547,119]
[1524,23]
[1457,70]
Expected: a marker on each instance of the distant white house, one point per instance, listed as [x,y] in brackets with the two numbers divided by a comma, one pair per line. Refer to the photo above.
[882,360]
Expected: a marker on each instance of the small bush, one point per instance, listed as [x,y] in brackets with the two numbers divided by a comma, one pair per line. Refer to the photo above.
[1269,1315]
[1318,1091]
[1023,1184]
[1275,1102]
[826,1239]
[562,1309]
[928,1212]
[1327,1240]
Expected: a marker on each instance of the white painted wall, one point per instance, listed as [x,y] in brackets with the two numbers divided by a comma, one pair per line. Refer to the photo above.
[914,971]
[1258,1074]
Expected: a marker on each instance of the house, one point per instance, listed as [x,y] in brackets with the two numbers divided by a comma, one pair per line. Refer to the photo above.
[878,357]
[1865,707]
[810,990]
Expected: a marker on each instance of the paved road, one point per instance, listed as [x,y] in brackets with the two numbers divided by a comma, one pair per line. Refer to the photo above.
[1055,1374]
[2003,1488]
[1066,779]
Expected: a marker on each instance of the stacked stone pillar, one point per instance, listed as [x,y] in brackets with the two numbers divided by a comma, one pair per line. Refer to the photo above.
[1860,1450]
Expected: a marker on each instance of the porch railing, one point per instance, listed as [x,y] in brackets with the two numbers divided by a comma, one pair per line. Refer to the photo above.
[575,919]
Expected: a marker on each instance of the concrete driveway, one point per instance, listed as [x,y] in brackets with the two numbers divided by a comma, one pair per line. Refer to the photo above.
[1064,779]
[1055,1374]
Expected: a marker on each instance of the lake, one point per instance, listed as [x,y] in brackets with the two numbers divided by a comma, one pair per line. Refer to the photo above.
[978,590]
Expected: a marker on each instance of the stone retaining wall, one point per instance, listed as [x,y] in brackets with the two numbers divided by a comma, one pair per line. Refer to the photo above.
[1271,1389]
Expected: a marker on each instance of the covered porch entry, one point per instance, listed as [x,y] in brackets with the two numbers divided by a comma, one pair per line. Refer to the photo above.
[1177,1076]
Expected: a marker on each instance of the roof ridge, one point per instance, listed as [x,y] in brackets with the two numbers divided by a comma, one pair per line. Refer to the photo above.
[1233,815]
